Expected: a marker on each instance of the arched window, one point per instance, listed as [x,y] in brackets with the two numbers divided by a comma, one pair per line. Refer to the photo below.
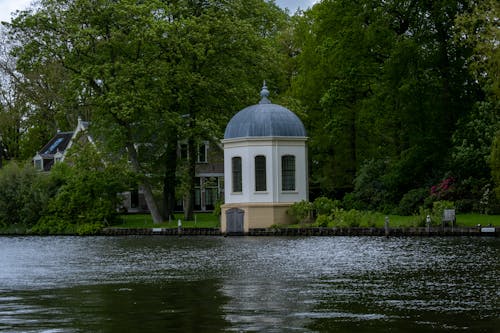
[260,173]
[288,173]
[237,174]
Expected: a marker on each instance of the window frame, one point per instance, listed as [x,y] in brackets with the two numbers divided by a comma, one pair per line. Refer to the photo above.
[237,174]
[202,147]
[260,173]
[288,173]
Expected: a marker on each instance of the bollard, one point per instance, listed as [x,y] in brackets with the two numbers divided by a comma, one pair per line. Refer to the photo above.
[179,227]
[386,226]
[428,223]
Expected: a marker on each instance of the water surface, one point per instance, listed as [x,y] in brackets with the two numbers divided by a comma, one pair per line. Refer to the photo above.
[214,284]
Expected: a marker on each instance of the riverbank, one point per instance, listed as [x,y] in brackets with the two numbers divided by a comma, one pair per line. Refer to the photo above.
[208,224]
[393,232]
[208,220]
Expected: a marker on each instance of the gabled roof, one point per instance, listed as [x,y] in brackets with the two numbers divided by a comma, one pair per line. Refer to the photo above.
[58,143]
[57,147]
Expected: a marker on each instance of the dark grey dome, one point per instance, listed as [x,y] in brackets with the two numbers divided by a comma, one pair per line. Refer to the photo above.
[264,119]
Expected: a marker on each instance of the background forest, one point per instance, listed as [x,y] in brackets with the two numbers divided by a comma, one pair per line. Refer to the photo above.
[400,99]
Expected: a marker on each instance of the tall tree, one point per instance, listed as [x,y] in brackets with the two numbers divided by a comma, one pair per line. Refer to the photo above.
[111,50]
[222,50]
[382,80]
[148,69]
[477,139]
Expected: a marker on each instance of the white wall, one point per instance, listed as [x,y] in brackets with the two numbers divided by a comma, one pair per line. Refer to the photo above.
[273,149]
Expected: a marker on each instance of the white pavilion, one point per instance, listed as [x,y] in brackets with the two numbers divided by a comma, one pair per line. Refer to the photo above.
[265,166]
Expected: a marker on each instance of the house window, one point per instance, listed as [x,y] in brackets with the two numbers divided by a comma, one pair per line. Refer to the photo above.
[288,173]
[260,173]
[39,164]
[237,174]
[202,153]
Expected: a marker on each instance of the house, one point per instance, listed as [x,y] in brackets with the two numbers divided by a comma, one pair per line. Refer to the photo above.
[55,150]
[209,181]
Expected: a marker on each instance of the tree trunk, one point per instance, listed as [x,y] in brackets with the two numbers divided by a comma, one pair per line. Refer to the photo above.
[145,186]
[189,196]
[169,179]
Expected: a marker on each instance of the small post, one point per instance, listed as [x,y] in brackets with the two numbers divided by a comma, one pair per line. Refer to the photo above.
[179,227]
[428,223]
[386,226]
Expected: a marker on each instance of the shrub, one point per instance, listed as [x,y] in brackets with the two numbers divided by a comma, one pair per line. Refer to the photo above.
[51,225]
[411,201]
[323,221]
[325,206]
[24,194]
[370,219]
[301,211]
[445,189]
[87,196]
[436,213]
[87,229]
[350,218]
[371,186]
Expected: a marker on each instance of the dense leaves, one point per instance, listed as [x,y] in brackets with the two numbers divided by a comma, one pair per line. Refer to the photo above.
[393,101]
[152,72]
[398,97]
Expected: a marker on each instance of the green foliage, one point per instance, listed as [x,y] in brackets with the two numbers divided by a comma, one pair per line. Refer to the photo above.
[436,213]
[150,72]
[384,88]
[347,218]
[90,191]
[217,208]
[301,211]
[52,225]
[473,141]
[370,186]
[24,195]
[325,206]
[87,196]
[495,163]
[88,229]
[323,220]
[411,201]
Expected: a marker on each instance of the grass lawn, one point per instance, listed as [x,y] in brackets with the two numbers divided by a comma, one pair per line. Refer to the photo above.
[203,220]
[208,220]
[463,220]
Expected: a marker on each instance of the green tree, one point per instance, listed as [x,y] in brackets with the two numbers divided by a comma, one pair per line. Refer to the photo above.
[382,80]
[223,52]
[88,192]
[142,67]
[112,53]
[495,163]
[23,195]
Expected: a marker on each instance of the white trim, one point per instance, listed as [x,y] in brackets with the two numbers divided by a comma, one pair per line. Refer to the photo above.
[264,141]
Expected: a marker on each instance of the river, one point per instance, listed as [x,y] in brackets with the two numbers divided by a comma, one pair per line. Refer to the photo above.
[249,284]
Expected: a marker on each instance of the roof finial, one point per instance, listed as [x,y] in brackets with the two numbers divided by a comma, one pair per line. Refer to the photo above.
[264,93]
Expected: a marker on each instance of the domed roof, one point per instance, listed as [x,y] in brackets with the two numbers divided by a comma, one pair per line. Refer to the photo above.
[264,119]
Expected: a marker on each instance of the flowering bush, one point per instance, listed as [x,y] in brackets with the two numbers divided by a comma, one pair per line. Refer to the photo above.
[444,189]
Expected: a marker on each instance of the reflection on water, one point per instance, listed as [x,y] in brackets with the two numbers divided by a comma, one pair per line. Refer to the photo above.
[129,307]
[203,284]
